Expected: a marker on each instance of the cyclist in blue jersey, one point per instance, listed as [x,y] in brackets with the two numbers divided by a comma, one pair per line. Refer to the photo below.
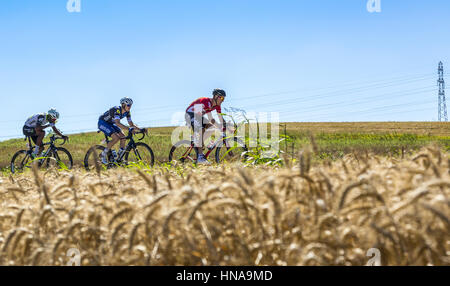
[109,123]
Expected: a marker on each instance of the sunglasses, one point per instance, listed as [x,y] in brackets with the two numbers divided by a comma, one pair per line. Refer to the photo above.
[129,105]
[222,97]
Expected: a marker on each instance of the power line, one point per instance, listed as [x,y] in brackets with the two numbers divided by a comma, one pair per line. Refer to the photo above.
[390,80]
[348,91]
[332,94]
[381,97]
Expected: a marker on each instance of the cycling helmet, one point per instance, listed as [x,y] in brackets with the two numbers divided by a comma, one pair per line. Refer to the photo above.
[53,114]
[219,92]
[126,100]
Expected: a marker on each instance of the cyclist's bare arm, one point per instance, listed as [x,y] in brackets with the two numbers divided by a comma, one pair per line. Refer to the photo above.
[133,125]
[210,118]
[117,122]
[213,121]
[57,131]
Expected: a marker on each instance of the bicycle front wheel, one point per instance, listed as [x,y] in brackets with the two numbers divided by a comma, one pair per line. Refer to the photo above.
[141,154]
[233,150]
[59,158]
[183,151]
[20,161]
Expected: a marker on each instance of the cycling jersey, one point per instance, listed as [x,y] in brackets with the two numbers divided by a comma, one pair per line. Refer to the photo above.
[38,120]
[115,113]
[203,104]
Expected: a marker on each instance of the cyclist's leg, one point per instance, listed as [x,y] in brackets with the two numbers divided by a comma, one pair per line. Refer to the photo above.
[197,129]
[40,134]
[109,130]
[118,136]
[34,138]
[31,133]
[121,136]
[208,130]
[202,133]
[201,159]
[115,137]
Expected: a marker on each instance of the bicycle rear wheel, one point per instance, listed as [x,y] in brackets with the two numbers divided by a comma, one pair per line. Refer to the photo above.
[92,157]
[183,151]
[20,161]
[140,154]
[234,150]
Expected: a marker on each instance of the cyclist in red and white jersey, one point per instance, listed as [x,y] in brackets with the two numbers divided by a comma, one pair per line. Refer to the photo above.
[195,118]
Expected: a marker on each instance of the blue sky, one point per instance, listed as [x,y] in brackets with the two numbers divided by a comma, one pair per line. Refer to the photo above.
[321,60]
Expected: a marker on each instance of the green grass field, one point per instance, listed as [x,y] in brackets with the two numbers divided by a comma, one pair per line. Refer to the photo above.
[333,140]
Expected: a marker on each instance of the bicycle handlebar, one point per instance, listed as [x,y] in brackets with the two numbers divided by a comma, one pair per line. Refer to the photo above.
[143,131]
[65,140]
[54,138]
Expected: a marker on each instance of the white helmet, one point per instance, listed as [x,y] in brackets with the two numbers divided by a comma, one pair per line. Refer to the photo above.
[126,100]
[53,114]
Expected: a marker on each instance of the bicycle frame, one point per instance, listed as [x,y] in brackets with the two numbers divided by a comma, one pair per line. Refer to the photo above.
[223,139]
[47,152]
[131,143]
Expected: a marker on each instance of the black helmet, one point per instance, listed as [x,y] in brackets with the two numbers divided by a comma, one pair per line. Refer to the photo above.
[219,92]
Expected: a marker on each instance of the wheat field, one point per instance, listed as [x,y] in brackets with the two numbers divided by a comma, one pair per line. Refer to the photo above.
[305,213]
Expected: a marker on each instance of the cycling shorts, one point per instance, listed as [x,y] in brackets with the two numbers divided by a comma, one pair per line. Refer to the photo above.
[108,128]
[191,120]
[30,132]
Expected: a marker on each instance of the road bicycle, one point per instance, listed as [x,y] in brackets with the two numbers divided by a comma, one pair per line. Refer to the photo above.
[229,148]
[135,153]
[53,157]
